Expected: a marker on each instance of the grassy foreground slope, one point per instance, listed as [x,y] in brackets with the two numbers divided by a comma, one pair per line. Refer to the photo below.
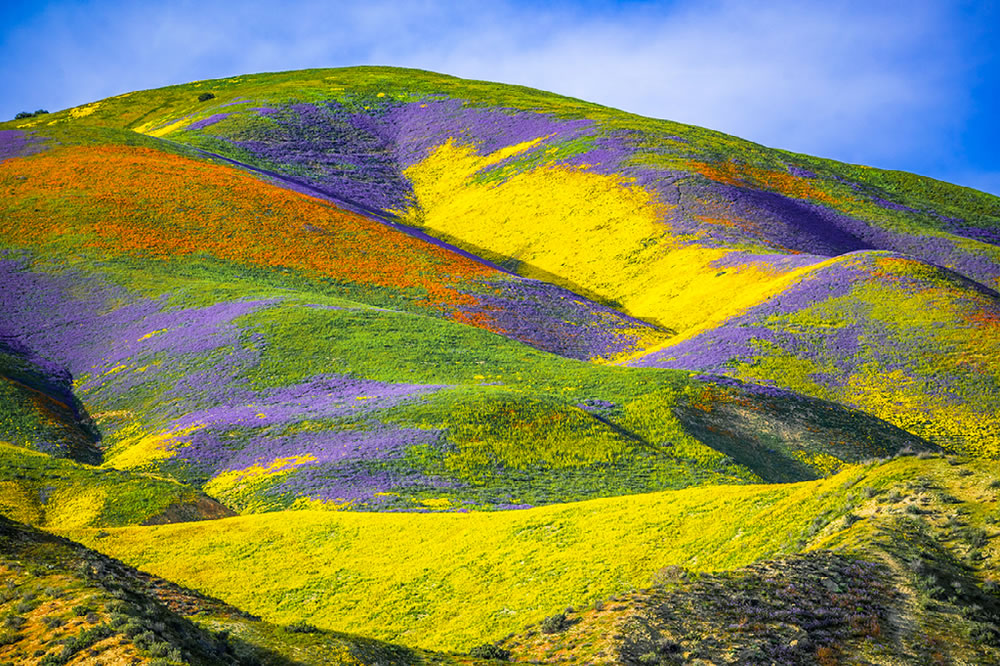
[909,575]
[62,603]
[450,581]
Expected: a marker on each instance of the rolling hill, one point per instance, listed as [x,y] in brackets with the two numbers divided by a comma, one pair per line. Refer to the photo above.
[427,359]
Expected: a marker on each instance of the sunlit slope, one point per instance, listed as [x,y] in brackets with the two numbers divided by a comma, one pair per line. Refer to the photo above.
[454,580]
[235,347]
[66,604]
[910,343]
[678,226]
[50,492]
[375,136]
[561,195]
[106,199]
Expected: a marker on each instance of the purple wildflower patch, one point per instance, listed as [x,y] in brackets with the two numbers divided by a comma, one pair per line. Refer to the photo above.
[556,320]
[15,143]
[206,122]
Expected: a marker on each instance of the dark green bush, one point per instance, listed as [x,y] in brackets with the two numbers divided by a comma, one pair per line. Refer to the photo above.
[669,575]
[52,622]
[490,651]
[302,628]
[144,640]
[850,519]
[14,622]
[204,97]
[976,537]
[553,624]
[25,114]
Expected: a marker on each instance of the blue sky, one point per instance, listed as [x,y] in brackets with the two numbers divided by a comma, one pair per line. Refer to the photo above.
[912,86]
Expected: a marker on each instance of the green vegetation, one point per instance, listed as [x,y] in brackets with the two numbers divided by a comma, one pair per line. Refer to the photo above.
[62,603]
[448,581]
[183,339]
[47,492]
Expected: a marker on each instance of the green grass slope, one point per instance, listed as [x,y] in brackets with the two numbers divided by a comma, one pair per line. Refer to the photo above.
[448,581]
[51,492]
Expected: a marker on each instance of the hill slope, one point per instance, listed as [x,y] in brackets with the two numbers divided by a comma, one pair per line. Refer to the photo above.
[63,603]
[461,355]
[676,226]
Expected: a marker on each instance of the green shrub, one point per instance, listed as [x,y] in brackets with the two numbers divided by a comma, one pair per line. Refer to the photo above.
[302,628]
[52,622]
[14,622]
[490,651]
[144,640]
[204,97]
[976,537]
[159,649]
[25,114]
[668,575]
[553,624]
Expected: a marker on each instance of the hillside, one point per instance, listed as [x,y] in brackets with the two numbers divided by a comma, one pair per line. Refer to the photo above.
[401,355]
[447,581]
[65,604]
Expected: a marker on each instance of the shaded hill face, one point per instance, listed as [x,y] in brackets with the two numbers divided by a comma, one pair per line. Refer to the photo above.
[39,408]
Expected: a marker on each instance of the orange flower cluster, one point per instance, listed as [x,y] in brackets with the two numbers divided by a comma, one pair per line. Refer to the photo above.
[986,318]
[140,201]
[480,319]
[745,175]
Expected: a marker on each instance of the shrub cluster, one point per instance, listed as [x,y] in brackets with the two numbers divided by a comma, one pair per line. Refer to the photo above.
[553,624]
[490,651]
[28,114]
[302,628]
